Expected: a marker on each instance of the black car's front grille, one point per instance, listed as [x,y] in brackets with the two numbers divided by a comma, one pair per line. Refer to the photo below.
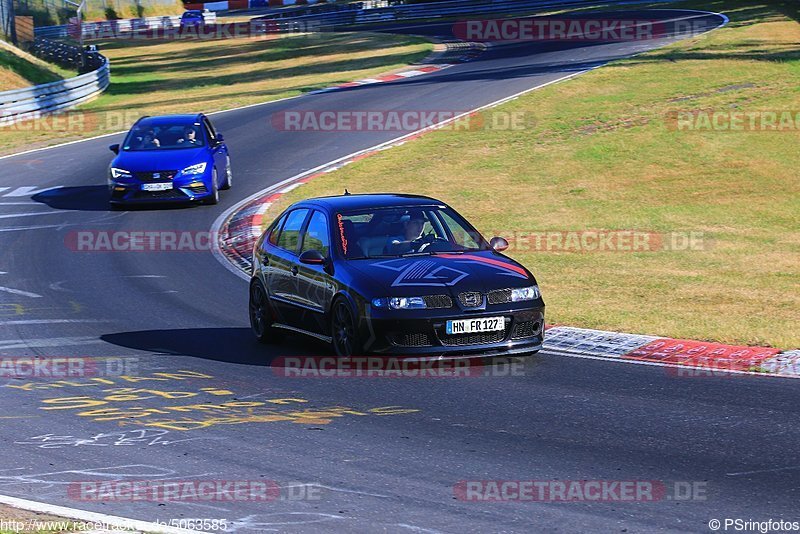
[470,299]
[499,296]
[438,301]
[411,340]
[155,176]
[525,329]
[459,340]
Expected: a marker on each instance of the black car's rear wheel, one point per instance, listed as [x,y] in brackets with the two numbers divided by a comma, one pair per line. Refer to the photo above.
[343,329]
[261,316]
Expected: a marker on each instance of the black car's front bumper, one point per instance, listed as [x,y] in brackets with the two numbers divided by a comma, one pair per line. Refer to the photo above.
[414,335]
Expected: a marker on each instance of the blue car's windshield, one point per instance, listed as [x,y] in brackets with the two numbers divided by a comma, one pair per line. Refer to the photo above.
[397,232]
[164,137]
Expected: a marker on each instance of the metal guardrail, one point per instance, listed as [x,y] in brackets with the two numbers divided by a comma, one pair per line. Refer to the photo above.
[32,102]
[342,15]
[113,28]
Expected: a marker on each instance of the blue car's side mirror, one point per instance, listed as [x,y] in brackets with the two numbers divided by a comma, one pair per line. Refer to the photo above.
[114,148]
[220,138]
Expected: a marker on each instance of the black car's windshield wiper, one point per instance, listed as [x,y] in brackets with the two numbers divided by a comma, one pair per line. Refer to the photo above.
[423,253]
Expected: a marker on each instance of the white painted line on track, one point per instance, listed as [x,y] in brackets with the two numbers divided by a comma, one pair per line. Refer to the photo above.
[47,342]
[20,292]
[92,517]
[51,321]
[15,215]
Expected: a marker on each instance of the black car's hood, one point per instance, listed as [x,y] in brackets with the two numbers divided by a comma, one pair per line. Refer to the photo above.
[444,273]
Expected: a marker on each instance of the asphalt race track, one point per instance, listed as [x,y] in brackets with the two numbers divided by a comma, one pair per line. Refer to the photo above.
[381,454]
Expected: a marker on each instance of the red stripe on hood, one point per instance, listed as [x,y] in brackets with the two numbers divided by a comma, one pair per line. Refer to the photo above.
[489,261]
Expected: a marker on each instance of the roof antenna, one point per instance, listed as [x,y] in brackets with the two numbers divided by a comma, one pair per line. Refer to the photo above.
[346,192]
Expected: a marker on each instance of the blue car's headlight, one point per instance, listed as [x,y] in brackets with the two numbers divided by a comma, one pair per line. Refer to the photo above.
[525,293]
[117,173]
[199,168]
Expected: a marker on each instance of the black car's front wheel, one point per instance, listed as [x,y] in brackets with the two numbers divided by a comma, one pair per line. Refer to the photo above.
[261,316]
[343,329]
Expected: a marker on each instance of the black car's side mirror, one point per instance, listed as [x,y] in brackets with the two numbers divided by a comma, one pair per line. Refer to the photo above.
[313,257]
[498,244]
[114,148]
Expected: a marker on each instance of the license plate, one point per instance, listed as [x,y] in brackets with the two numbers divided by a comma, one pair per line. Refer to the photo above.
[471,326]
[161,186]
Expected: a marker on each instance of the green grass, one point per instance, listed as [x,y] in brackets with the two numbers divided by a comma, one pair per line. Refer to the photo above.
[158,77]
[19,70]
[601,155]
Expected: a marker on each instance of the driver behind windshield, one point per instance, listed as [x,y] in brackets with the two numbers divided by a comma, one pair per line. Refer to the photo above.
[189,137]
[412,231]
[148,140]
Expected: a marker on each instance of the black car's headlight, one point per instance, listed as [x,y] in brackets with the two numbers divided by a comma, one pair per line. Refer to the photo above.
[525,293]
[400,303]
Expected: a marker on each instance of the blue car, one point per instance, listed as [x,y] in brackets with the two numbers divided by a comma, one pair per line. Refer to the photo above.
[192,18]
[172,158]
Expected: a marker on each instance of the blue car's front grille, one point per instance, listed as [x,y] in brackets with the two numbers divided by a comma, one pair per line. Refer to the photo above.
[155,176]
[171,194]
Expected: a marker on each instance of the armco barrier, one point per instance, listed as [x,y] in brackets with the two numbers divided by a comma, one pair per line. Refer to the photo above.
[344,16]
[32,102]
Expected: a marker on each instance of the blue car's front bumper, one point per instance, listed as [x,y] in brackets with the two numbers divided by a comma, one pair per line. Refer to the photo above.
[169,186]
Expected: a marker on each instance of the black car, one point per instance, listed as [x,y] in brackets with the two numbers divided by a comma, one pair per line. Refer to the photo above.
[391,274]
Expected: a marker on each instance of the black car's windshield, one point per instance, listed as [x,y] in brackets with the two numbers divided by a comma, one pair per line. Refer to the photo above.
[406,231]
[164,137]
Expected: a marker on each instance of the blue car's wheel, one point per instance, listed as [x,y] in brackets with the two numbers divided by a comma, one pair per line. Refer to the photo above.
[213,198]
[228,175]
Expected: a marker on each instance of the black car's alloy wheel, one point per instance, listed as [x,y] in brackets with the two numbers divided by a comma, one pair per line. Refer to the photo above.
[343,329]
[260,315]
